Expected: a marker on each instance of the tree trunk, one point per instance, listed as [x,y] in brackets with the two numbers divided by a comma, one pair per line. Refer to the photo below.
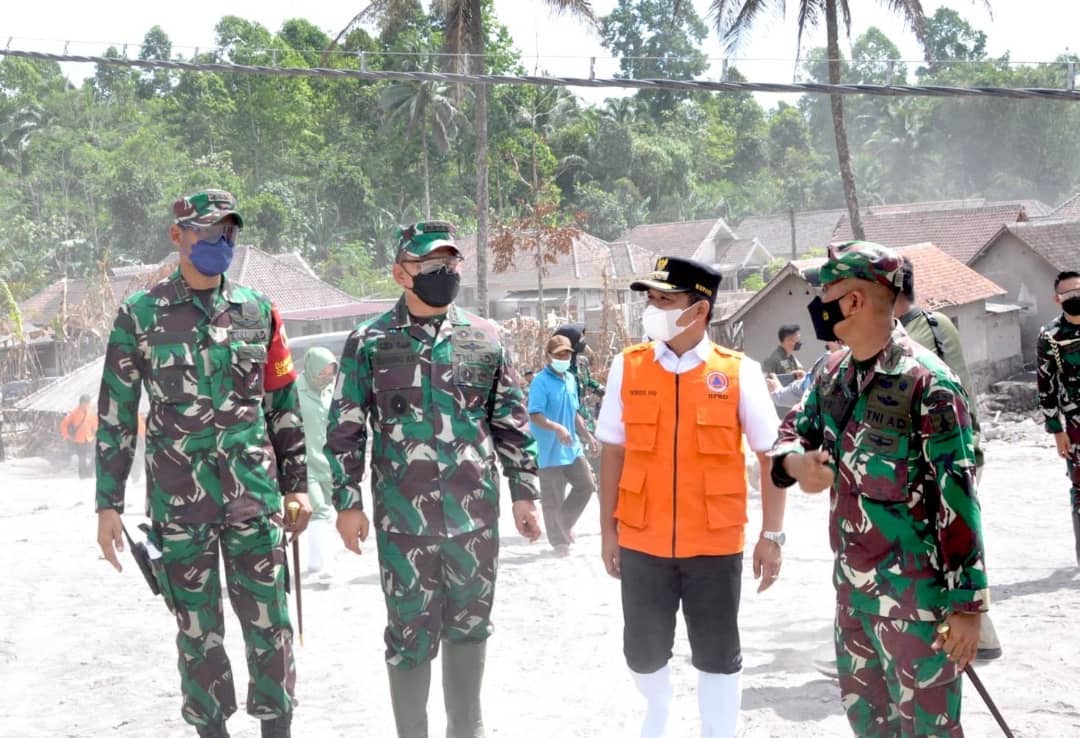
[836,102]
[476,48]
[540,282]
[427,174]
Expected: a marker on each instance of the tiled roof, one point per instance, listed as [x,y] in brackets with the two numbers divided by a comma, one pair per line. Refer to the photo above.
[676,239]
[1057,241]
[42,307]
[1068,210]
[941,280]
[290,287]
[734,251]
[813,229]
[581,267]
[959,232]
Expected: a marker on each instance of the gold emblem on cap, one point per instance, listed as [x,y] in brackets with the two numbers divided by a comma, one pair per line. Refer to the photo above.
[661,263]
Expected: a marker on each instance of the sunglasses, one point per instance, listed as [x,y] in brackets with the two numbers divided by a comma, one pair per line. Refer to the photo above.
[212,233]
[434,264]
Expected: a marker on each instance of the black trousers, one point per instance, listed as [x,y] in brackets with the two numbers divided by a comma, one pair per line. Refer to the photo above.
[707,587]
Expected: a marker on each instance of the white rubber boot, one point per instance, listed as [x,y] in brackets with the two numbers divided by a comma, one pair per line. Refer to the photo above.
[719,698]
[656,689]
[316,548]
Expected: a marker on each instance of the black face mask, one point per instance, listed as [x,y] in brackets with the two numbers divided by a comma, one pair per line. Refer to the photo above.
[825,316]
[797,346]
[1071,306]
[437,289]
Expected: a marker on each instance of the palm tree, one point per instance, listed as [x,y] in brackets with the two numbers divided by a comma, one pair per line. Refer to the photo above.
[426,106]
[465,40]
[733,21]
[15,134]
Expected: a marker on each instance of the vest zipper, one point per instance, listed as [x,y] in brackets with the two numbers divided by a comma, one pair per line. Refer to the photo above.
[675,471]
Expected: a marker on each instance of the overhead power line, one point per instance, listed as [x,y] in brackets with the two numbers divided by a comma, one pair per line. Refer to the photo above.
[813,88]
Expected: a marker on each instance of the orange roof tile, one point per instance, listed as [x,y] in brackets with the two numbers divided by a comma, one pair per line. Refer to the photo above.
[941,280]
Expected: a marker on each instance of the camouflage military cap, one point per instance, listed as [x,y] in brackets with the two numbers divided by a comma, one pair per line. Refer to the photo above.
[205,208]
[420,239]
[862,260]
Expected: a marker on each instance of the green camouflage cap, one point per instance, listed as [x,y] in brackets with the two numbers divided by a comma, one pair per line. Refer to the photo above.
[205,208]
[420,239]
[862,260]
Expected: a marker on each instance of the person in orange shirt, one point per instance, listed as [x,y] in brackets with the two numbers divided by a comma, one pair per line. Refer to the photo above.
[673,493]
[79,428]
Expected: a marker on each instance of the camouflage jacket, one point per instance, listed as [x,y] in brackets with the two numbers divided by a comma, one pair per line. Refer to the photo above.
[935,332]
[224,437]
[1057,373]
[442,400]
[589,387]
[904,520]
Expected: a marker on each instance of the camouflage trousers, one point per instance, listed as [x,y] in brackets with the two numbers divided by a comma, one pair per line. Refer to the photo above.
[892,684]
[255,571]
[436,588]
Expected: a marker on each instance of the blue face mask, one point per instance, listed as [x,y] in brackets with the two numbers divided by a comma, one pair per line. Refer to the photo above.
[560,365]
[212,258]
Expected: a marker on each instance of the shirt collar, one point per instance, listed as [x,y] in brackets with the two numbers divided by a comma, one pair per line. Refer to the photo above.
[701,349]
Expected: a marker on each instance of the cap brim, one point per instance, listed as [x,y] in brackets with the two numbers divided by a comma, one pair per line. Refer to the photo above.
[214,218]
[432,246]
[651,284]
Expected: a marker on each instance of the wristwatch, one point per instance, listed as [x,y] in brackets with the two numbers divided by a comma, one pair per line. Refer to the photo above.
[776,536]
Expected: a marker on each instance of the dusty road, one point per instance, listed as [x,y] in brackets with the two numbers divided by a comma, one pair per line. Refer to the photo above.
[87,652]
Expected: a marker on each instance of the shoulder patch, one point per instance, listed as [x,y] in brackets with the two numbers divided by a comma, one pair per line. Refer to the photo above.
[638,347]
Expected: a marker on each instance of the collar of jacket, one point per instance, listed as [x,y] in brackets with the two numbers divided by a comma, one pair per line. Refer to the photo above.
[402,319]
[180,291]
[888,359]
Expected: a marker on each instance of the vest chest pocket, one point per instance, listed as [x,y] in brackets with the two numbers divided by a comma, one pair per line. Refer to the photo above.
[880,465]
[717,429]
[641,421]
[173,377]
[248,370]
[630,510]
[401,405]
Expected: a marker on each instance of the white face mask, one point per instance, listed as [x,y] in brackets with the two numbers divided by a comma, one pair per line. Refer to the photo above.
[660,325]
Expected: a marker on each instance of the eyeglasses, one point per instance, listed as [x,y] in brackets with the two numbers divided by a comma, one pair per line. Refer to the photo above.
[435,263]
[212,233]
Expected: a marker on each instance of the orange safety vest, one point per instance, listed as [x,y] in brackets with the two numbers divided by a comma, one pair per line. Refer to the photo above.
[80,425]
[683,486]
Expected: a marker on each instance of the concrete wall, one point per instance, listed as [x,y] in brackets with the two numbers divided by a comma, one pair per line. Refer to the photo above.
[785,303]
[991,342]
[1029,280]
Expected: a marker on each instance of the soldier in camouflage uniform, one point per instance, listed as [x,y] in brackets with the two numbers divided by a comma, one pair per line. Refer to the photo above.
[886,427]
[1058,378]
[443,401]
[223,442]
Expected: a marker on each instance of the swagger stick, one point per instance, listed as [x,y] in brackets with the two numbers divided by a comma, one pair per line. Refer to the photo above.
[943,630]
[293,510]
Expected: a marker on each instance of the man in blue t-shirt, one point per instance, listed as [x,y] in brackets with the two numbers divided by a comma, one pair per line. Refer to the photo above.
[559,432]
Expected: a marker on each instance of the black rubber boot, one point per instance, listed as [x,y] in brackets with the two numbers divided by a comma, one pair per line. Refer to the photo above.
[214,730]
[279,727]
[463,675]
[1076,535]
[408,696]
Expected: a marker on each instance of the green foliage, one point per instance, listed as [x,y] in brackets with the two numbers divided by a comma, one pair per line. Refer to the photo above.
[330,167]
[753,283]
[350,268]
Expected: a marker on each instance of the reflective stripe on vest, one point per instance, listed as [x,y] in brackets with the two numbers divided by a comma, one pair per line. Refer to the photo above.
[683,486]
